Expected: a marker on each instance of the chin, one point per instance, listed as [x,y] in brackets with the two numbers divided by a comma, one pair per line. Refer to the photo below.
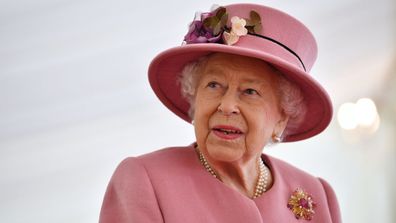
[224,153]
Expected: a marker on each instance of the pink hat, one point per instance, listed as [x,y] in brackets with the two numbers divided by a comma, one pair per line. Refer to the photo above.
[273,36]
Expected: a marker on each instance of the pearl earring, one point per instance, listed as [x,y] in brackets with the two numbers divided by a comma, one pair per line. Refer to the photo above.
[276,138]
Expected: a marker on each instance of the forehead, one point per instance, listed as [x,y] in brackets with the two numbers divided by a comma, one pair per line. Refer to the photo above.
[239,67]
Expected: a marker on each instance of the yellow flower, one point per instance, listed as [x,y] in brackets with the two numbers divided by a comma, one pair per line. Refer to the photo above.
[238,26]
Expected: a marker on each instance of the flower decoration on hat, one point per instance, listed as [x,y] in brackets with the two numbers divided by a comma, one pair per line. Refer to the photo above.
[301,204]
[211,27]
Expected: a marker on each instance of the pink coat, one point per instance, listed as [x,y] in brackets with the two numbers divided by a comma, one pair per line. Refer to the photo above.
[171,186]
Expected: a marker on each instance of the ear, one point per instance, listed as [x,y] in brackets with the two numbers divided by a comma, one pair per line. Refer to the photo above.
[281,125]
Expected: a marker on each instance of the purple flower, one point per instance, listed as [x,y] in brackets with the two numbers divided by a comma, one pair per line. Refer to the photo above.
[198,33]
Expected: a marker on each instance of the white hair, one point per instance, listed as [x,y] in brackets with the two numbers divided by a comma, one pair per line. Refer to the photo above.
[189,79]
[290,95]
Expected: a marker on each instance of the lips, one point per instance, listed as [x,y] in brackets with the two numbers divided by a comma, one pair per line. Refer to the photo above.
[227,132]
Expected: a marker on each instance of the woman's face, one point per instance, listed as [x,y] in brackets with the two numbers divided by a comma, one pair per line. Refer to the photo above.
[236,108]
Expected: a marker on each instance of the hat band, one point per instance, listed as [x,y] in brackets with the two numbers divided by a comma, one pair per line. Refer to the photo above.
[282,45]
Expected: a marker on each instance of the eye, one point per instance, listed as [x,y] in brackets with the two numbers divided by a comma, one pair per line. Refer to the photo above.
[250,91]
[213,84]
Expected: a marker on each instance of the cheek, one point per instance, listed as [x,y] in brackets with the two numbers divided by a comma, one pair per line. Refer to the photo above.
[200,113]
[261,127]
[257,130]
[201,120]
[205,107]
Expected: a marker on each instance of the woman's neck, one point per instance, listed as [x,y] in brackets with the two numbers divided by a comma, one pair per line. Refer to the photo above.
[241,176]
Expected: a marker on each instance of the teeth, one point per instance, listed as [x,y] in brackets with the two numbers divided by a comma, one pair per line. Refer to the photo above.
[226,131]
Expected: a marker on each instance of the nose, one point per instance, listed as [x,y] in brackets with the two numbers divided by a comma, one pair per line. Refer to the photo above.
[229,103]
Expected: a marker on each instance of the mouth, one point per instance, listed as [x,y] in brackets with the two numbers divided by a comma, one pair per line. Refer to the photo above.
[227,132]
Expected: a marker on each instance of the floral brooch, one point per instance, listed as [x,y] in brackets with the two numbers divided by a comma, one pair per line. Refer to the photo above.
[301,204]
[211,27]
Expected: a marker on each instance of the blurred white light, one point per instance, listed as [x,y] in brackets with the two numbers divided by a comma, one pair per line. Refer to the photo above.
[347,116]
[362,114]
[374,127]
[366,112]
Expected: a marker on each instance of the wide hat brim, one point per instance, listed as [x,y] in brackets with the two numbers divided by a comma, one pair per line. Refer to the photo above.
[164,73]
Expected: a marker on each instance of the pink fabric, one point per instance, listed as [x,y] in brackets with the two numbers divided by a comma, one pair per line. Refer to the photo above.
[283,28]
[171,186]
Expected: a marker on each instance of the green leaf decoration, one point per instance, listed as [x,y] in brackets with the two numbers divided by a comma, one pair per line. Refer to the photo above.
[255,17]
[257,28]
[253,24]
[217,22]
[220,12]
[217,29]
[224,19]
[250,29]
[206,22]
[210,22]
[249,23]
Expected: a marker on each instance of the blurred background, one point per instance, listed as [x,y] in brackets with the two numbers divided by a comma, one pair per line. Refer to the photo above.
[75,101]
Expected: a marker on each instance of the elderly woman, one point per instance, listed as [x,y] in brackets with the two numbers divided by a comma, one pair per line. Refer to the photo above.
[241,78]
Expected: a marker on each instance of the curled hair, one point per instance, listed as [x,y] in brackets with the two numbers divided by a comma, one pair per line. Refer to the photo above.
[290,96]
[291,100]
[189,79]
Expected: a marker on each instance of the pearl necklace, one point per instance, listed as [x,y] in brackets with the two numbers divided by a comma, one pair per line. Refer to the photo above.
[262,181]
